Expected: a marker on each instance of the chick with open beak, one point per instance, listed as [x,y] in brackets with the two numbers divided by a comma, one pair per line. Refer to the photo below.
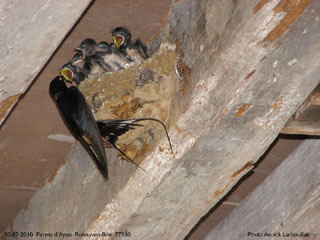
[134,50]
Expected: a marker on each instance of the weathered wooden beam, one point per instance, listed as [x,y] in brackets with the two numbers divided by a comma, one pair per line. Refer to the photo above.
[244,68]
[285,205]
[302,127]
[30,33]
[306,119]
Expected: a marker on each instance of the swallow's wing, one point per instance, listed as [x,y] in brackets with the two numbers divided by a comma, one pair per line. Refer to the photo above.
[79,119]
[98,59]
[111,60]
[141,48]
[91,137]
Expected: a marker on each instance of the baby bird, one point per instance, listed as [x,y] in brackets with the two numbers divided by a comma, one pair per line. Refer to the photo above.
[109,58]
[101,57]
[135,51]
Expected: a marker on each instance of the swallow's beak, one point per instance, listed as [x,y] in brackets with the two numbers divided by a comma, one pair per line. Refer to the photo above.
[78,61]
[81,50]
[67,74]
[118,40]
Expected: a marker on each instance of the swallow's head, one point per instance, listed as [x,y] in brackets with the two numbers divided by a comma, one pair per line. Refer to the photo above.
[121,37]
[57,87]
[77,58]
[67,71]
[87,46]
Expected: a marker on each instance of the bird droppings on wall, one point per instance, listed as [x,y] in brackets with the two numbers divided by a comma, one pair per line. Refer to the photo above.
[182,70]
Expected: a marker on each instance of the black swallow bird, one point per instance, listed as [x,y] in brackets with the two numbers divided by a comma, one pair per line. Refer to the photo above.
[79,119]
[112,129]
[136,51]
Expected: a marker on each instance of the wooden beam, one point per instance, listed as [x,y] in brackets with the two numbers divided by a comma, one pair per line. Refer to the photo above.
[244,68]
[302,127]
[306,119]
[285,205]
[30,33]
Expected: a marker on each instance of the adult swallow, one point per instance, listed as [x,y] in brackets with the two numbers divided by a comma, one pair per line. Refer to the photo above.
[111,129]
[136,51]
[78,117]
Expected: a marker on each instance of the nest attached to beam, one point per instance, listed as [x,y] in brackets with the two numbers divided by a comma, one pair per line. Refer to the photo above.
[147,90]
